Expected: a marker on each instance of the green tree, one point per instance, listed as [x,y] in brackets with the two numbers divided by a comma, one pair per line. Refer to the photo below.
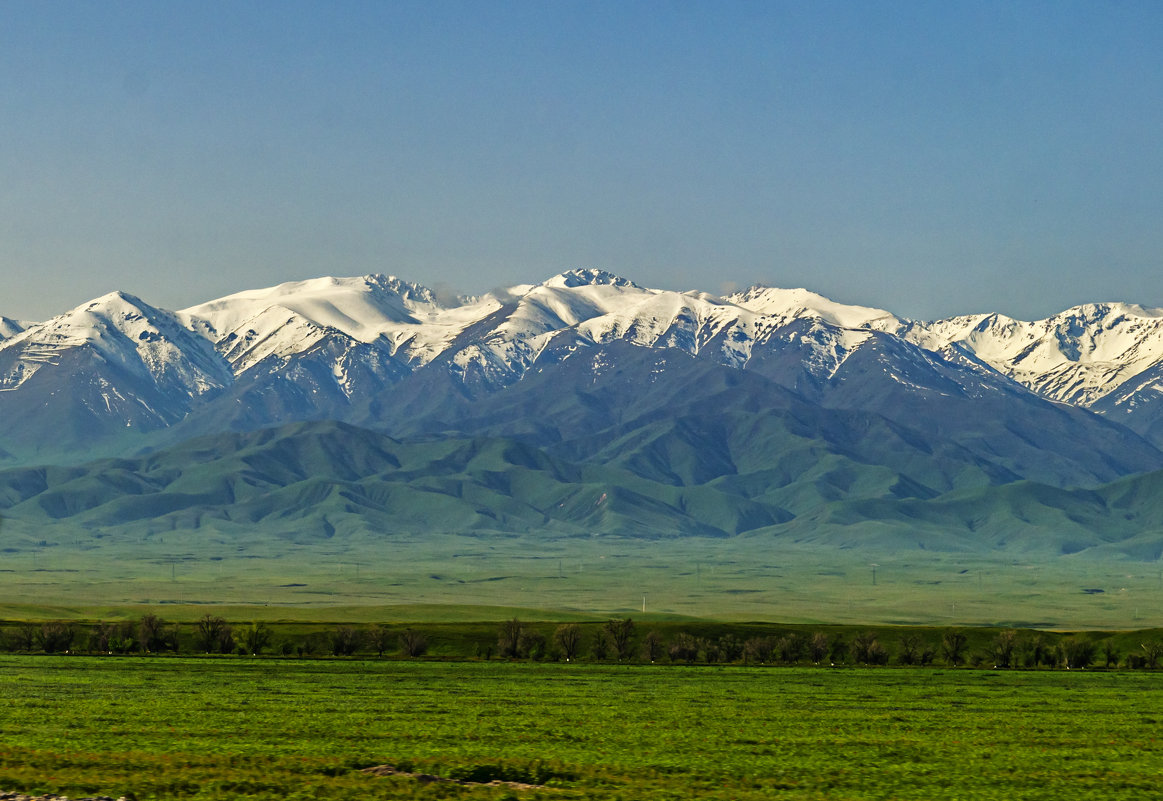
[509,639]
[533,645]
[1004,645]
[151,634]
[1110,653]
[621,635]
[758,650]
[683,648]
[413,643]
[1152,650]
[953,646]
[213,635]
[730,649]
[24,637]
[255,638]
[867,650]
[652,646]
[838,650]
[378,638]
[790,648]
[1033,651]
[567,638]
[344,641]
[909,652]
[600,645]
[1079,653]
[55,635]
[819,647]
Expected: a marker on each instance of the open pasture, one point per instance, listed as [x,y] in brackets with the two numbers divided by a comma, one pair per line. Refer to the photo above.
[235,728]
[445,578]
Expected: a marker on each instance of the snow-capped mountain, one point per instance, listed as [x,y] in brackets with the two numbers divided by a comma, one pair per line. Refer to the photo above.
[793,304]
[582,404]
[123,332]
[1076,357]
[112,364]
[395,356]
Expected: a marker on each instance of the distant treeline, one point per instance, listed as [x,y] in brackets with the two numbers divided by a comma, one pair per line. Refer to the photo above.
[619,640]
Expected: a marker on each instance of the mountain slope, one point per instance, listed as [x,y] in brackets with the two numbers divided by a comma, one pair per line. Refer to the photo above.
[9,328]
[1076,357]
[312,483]
[587,356]
[101,375]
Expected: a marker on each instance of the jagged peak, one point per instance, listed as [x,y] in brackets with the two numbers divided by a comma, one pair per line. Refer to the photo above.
[571,279]
[408,290]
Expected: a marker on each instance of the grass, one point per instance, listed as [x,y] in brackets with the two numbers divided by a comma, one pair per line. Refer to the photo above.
[234,728]
[459,578]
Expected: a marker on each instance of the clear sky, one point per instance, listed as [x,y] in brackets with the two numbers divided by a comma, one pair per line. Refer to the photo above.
[931,158]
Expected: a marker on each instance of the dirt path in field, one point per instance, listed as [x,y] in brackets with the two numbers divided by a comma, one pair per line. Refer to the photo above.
[428,778]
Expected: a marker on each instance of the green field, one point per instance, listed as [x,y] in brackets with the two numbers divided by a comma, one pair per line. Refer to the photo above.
[735,579]
[231,728]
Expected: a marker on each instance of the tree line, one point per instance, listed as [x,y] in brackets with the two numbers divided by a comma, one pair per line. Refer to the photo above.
[619,640]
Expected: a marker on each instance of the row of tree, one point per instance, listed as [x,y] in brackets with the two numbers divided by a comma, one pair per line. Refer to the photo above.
[617,640]
[209,635]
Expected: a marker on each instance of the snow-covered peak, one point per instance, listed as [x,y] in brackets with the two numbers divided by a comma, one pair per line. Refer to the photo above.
[92,321]
[568,300]
[1116,311]
[359,307]
[123,331]
[588,277]
[1076,356]
[792,304]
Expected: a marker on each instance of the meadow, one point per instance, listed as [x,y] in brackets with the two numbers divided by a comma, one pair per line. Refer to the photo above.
[447,578]
[247,728]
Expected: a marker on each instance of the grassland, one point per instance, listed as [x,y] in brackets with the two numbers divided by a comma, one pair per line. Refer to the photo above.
[441,576]
[230,728]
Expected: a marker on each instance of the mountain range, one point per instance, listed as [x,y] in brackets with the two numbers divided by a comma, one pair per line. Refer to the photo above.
[582,405]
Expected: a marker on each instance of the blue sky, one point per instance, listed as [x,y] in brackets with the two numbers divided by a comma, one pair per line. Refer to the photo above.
[932,158]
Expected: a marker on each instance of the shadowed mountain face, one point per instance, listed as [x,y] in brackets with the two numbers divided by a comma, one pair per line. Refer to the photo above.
[768,480]
[583,405]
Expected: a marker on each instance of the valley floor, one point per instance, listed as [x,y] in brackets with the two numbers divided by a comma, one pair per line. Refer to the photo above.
[463,578]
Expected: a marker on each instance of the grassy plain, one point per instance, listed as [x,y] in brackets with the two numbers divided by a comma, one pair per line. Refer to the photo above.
[442,577]
[237,728]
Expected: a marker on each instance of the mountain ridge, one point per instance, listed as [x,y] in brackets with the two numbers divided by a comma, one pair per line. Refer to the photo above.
[768,412]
